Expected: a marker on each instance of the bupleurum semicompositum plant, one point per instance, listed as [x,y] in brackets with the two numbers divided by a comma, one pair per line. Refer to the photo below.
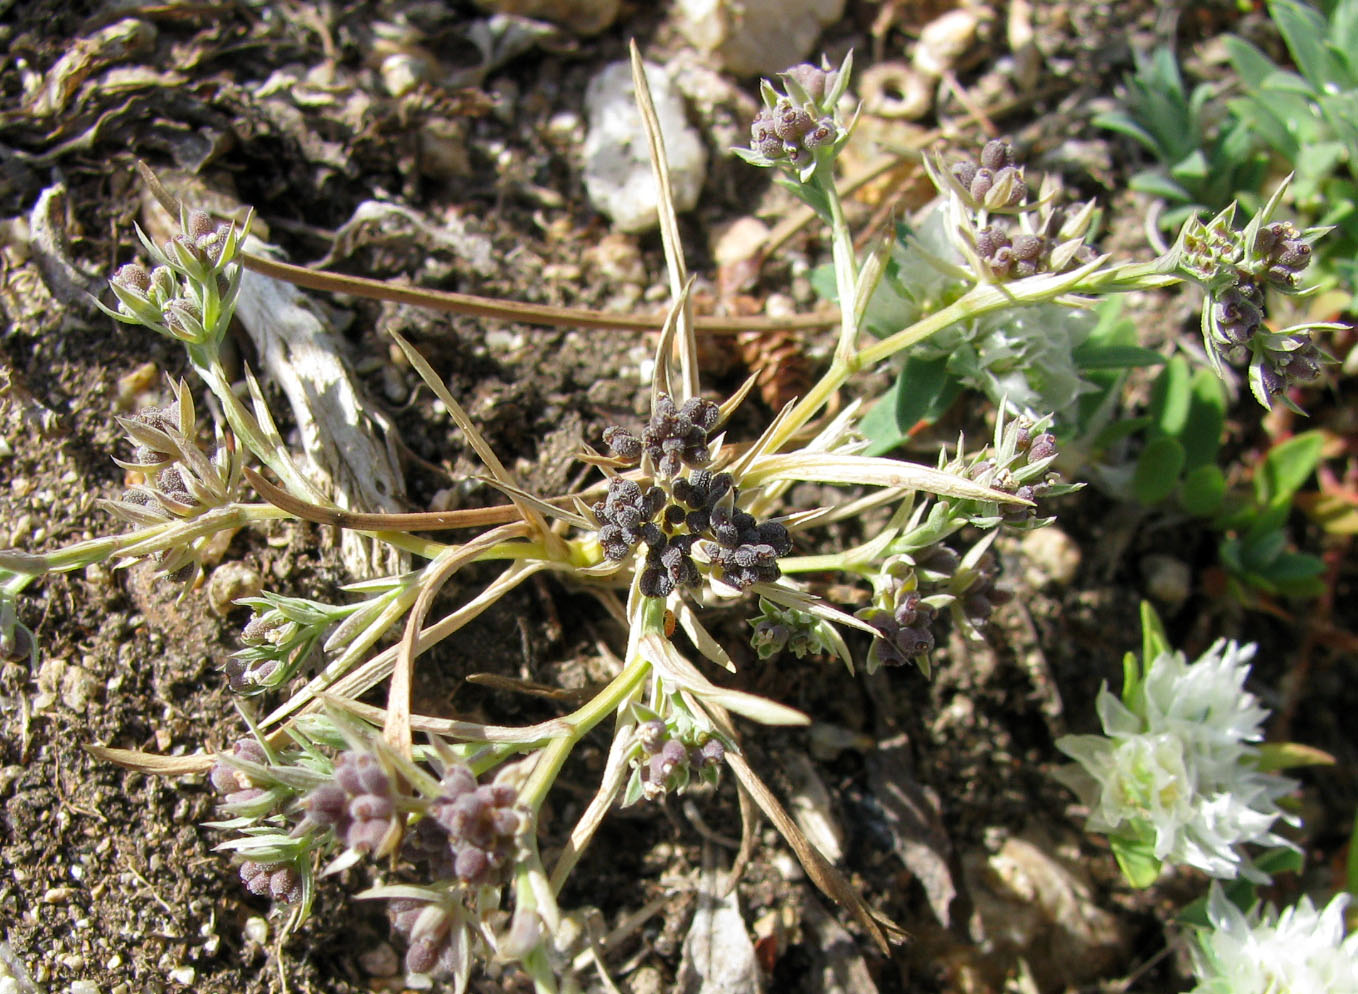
[683,522]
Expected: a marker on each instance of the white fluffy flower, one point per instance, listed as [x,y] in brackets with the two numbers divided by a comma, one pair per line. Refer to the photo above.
[1176,766]
[1299,951]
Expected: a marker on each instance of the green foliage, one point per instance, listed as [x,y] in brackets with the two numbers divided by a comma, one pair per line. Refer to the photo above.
[1309,118]
[1199,166]
[1255,551]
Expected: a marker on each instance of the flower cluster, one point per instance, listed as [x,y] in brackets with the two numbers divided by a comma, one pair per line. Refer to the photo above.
[995,183]
[1237,267]
[278,881]
[188,293]
[1175,770]
[746,551]
[777,628]
[672,517]
[626,515]
[669,759]
[359,804]
[902,617]
[801,127]
[435,934]
[481,823]
[1000,233]
[1299,949]
[181,482]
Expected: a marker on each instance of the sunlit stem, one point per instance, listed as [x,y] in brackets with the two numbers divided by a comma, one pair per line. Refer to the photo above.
[604,703]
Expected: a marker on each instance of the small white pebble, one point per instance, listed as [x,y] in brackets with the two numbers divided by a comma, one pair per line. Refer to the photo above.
[183,975]
[257,930]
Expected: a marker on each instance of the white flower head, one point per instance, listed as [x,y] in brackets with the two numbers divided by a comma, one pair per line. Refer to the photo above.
[1264,952]
[1176,767]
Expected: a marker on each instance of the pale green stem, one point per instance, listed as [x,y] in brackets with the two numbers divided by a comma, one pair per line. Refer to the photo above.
[144,541]
[985,298]
[845,262]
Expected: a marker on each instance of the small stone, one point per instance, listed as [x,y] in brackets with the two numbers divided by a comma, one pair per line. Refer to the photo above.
[78,688]
[230,582]
[134,386]
[757,37]
[945,40]
[1168,580]
[582,17]
[256,930]
[182,975]
[1051,555]
[618,175]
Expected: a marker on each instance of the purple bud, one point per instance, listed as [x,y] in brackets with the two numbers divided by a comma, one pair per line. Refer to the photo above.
[285,885]
[423,956]
[133,277]
[371,775]
[371,807]
[1042,447]
[327,804]
[366,836]
[981,183]
[814,80]
[458,780]
[472,864]
[996,155]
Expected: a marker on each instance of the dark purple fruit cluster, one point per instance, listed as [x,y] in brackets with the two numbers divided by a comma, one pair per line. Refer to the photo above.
[904,632]
[626,515]
[746,551]
[995,170]
[674,438]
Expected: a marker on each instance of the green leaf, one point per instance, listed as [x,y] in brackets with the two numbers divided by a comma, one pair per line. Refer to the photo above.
[1201,436]
[1304,30]
[1137,861]
[1154,641]
[1351,877]
[922,392]
[1157,470]
[1275,756]
[1295,574]
[1091,356]
[1159,185]
[1131,678]
[1119,430]
[1193,166]
[1286,467]
[1171,397]
[1202,490]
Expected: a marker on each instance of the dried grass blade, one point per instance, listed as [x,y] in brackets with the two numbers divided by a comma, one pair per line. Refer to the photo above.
[420,521]
[546,508]
[702,638]
[872,471]
[149,762]
[464,422]
[396,729]
[669,225]
[831,882]
[684,676]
